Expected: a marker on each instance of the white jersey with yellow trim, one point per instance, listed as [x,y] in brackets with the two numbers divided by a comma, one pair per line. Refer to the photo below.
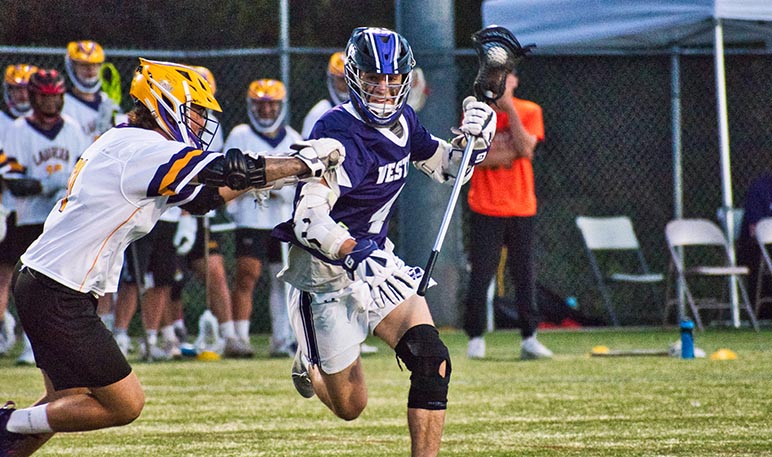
[246,212]
[316,112]
[94,117]
[47,156]
[118,191]
[5,123]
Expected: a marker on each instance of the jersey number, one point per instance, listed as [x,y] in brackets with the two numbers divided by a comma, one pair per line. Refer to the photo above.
[379,217]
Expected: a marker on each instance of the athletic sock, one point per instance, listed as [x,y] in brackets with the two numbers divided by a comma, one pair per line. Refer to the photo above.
[152,337]
[29,420]
[242,329]
[228,330]
[168,333]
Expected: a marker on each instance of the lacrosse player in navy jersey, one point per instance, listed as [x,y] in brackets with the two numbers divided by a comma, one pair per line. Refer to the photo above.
[120,187]
[346,280]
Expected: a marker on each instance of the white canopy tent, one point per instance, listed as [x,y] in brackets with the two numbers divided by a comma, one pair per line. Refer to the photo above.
[602,26]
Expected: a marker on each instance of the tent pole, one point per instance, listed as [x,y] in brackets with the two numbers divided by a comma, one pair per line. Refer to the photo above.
[678,181]
[726,172]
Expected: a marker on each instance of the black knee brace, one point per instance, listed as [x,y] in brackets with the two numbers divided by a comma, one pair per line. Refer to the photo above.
[428,359]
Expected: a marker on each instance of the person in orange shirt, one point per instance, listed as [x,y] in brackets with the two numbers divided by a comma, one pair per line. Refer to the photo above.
[502,201]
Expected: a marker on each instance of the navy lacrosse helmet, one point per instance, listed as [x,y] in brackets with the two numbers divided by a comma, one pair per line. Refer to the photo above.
[376,51]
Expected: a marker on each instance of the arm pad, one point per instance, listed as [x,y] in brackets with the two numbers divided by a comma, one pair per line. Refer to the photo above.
[313,226]
[436,166]
[206,200]
[235,170]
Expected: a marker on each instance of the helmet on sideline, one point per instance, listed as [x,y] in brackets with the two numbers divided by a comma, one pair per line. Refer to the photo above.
[381,52]
[263,91]
[169,91]
[16,81]
[46,82]
[84,52]
[336,78]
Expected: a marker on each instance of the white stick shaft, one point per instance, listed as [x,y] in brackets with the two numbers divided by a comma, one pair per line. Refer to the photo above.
[465,158]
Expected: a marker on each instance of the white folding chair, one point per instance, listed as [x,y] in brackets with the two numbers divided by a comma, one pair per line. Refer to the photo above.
[763,235]
[615,235]
[703,235]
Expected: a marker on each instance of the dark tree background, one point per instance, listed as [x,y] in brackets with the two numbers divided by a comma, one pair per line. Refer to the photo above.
[202,24]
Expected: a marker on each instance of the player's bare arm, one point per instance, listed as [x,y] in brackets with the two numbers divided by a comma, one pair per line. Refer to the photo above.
[519,139]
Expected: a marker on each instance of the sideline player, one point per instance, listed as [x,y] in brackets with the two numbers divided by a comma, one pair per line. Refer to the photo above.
[118,190]
[256,250]
[47,144]
[17,105]
[336,86]
[85,101]
[346,279]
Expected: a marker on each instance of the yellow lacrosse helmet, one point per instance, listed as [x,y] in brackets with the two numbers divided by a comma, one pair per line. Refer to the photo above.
[336,66]
[336,78]
[14,88]
[261,91]
[85,52]
[18,74]
[169,90]
[208,75]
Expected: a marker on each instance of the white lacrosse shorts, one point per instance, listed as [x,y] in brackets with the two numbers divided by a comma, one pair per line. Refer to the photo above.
[341,321]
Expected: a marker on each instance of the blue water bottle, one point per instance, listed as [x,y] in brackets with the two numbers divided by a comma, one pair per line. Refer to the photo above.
[687,339]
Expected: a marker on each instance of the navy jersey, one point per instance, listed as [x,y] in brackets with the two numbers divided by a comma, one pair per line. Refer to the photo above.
[374,171]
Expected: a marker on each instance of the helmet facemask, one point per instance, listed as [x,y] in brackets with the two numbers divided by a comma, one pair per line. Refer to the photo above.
[265,124]
[18,105]
[89,85]
[384,106]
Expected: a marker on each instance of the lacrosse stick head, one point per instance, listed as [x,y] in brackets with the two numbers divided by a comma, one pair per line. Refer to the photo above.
[498,53]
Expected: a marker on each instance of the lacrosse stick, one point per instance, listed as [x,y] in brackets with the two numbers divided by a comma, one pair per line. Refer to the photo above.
[498,52]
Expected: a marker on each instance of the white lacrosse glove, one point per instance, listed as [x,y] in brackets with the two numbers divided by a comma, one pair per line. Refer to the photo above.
[3,218]
[322,155]
[381,271]
[479,120]
[185,235]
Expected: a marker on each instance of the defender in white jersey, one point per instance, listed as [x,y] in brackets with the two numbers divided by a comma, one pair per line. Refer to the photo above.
[346,279]
[86,102]
[120,187]
[336,86]
[256,250]
[17,105]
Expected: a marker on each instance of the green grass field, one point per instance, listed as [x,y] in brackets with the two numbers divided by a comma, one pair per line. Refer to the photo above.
[574,405]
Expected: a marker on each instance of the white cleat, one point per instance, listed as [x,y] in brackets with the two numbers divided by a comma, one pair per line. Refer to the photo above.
[531,349]
[156,354]
[236,348]
[476,348]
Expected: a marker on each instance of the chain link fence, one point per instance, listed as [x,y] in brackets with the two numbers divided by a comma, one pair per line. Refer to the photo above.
[608,147]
